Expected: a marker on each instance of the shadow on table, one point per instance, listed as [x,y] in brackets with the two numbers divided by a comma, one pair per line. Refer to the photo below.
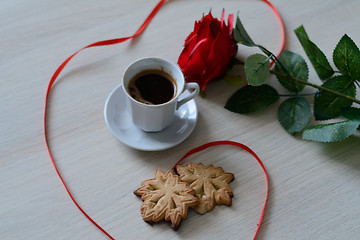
[345,152]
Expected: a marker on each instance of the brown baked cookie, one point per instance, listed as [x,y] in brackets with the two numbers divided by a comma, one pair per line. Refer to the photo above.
[210,184]
[165,198]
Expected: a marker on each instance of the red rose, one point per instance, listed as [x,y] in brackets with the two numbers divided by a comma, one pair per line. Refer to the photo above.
[208,50]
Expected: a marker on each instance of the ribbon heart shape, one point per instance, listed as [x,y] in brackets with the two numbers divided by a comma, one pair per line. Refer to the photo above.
[120,40]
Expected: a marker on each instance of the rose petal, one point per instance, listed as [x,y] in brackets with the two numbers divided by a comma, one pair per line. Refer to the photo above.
[231,22]
[222,18]
[191,35]
[204,27]
[215,28]
[220,50]
[185,54]
[195,64]
[219,57]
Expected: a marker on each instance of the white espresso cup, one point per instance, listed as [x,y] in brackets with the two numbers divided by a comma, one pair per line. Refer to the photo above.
[155,117]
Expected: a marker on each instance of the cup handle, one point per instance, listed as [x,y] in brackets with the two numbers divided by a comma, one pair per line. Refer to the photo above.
[196,90]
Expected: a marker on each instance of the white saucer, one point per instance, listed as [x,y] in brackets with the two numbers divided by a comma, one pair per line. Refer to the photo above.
[118,120]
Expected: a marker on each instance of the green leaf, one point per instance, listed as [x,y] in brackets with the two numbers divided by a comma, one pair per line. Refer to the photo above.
[251,99]
[294,114]
[331,132]
[315,55]
[351,113]
[293,65]
[257,69]
[240,34]
[234,80]
[346,57]
[327,105]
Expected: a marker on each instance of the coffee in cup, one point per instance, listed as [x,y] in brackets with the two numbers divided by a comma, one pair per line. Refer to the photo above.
[152,87]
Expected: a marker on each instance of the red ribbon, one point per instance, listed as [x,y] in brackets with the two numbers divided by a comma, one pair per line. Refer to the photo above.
[120,40]
[240,145]
[281,26]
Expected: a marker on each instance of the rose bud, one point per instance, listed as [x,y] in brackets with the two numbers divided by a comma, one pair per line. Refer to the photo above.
[208,50]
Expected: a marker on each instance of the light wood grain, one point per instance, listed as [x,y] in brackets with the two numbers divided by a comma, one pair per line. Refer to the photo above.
[314,187]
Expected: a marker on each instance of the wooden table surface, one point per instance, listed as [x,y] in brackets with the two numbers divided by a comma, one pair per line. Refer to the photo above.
[314,187]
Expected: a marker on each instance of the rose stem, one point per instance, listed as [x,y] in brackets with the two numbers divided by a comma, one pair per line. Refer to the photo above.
[317,86]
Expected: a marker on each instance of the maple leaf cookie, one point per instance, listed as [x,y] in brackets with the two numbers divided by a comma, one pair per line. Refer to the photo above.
[211,185]
[165,198]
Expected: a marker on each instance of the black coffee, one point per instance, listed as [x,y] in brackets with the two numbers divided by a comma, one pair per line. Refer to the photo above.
[152,87]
